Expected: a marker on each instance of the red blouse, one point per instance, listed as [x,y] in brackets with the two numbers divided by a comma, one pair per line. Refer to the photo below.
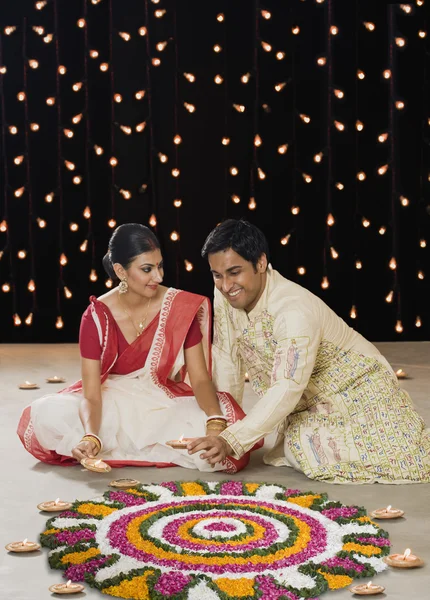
[89,342]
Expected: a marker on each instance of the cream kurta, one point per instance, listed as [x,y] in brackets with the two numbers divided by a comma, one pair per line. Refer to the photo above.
[335,400]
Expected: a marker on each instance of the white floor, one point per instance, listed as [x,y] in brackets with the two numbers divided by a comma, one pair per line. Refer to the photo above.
[25,482]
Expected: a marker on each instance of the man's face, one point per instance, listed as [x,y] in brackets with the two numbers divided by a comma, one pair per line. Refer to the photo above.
[237,279]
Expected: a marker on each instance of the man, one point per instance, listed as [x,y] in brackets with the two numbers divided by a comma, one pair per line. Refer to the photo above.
[334,399]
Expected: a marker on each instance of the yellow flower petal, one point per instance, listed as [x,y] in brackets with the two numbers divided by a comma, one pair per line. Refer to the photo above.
[304,501]
[367,550]
[136,588]
[335,582]
[49,531]
[251,487]
[239,588]
[96,510]
[193,489]
[76,558]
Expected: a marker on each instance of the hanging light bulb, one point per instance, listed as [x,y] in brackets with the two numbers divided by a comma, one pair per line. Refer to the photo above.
[340,186]
[77,118]
[399,327]
[41,223]
[280,55]
[160,13]
[305,118]
[68,133]
[189,107]
[404,201]
[77,179]
[34,126]
[59,323]
[266,14]
[330,220]
[127,130]
[126,194]
[111,223]
[353,312]
[295,30]
[188,266]
[220,17]
[393,264]
[62,70]
[235,199]
[334,30]
[285,239]
[33,64]
[73,227]
[141,127]
[339,94]
[334,253]
[321,61]
[49,197]
[16,320]
[358,265]
[113,161]
[400,42]
[68,294]
[117,98]
[140,95]
[29,319]
[359,126]
[318,157]
[361,176]
[234,171]
[339,126]
[389,297]
[261,174]
[245,78]
[13,129]
[418,322]
[190,77]
[22,254]
[81,23]
[142,31]
[225,141]
[18,159]
[361,74]
[93,275]
[83,247]
[239,107]
[109,283]
[280,86]
[31,286]
[162,157]
[218,79]
[19,192]
[217,48]
[77,86]
[69,165]
[283,149]
[48,38]
[423,243]
[177,203]
[63,260]
[420,275]
[325,283]
[383,137]
[124,35]
[50,101]
[257,141]
[152,221]
[5,288]
[156,62]
[177,140]
[174,236]
[307,178]
[20,96]
[369,25]
[301,270]
[382,170]
[365,222]
[87,213]
[400,105]
[252,205]
[176,172]
[104,67]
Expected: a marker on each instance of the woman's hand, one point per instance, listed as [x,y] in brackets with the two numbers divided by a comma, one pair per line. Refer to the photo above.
[85,449]
[216,448]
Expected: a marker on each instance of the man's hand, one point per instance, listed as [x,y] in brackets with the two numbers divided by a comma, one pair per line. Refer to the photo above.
[216,448]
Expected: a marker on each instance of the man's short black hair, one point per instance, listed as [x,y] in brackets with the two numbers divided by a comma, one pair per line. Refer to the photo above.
[239,235]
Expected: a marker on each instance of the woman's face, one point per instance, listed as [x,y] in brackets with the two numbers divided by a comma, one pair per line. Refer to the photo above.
[145,273]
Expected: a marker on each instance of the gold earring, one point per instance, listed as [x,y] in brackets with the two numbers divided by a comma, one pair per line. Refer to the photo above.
[123,286]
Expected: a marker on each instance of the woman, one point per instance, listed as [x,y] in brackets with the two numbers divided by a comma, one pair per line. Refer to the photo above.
[138,344]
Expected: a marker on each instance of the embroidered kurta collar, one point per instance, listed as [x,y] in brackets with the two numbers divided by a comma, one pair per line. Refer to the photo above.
[264,298]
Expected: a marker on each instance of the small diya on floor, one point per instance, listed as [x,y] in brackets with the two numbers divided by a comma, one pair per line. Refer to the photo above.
[387,513]
[24,546]
[180,444]
[404,561]
[27,385]
[54,505]
[66,588]
[55,379]
[366,589]
[96,465]
[401,374]
[124,483]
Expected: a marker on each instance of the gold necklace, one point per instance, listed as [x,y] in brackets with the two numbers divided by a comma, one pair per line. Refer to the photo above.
[141,324]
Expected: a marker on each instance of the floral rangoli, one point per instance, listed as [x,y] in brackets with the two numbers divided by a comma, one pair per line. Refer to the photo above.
[214,541]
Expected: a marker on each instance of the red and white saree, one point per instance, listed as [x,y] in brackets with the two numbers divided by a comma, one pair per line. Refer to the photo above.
[142,409]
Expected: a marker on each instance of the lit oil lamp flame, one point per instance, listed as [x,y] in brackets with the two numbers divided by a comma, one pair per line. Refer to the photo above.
[68,584]
[406,554]
[97,463]
[57,501]
[24,541]
[181,438]
[388,508]
[369,585]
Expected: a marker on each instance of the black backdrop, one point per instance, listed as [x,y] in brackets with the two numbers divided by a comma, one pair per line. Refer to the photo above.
[369,38]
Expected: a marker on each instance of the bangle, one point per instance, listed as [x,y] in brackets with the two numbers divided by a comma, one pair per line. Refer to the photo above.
[217,421]
[216,417]
[216,428]
[91,437]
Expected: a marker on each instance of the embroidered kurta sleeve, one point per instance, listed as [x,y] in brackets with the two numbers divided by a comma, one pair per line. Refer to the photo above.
[228,372]
[298,337]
